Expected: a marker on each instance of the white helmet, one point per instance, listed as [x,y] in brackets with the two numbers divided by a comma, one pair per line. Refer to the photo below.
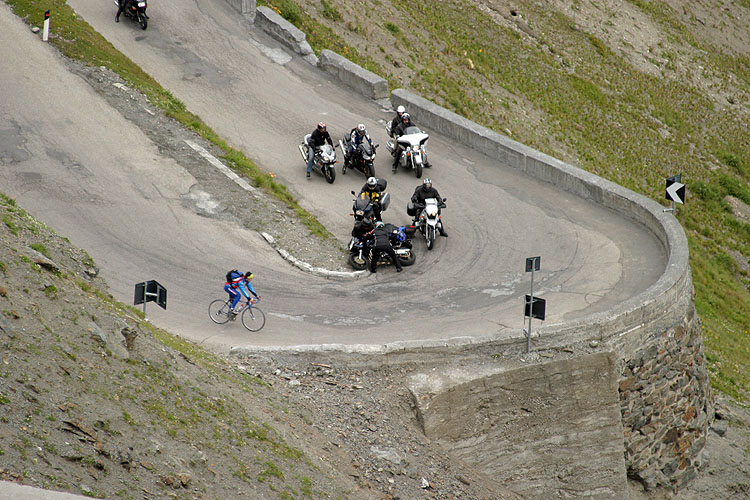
[372,181]
[361,129]
[400,110]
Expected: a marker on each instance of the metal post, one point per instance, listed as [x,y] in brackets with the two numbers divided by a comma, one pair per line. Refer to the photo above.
[531,307]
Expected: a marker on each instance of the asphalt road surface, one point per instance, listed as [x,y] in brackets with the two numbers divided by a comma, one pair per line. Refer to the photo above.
[80,167]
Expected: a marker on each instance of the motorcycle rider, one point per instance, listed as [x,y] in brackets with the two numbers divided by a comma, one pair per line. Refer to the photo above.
[397,120]
[421,193]
[358,134]
[318,137]
[380,242]
[374,190]
[398,132]
[121,5]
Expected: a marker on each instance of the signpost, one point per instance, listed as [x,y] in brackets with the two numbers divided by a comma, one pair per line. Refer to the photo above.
[533,307]
[150,291]
[675,191]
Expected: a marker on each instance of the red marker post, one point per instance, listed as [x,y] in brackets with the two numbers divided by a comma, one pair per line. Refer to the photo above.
[45,33]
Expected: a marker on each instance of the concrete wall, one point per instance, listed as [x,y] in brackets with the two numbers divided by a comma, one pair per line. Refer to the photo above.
[365,82]
[282,30]
[549,430]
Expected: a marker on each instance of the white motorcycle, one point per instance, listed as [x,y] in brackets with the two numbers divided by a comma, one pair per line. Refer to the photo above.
[324,161]
[429,222]
[412,148]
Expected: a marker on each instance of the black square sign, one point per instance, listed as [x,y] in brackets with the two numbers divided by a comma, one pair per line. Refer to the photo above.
[537,309]
[533,263]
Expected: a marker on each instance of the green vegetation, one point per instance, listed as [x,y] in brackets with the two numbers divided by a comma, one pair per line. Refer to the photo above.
[39,247]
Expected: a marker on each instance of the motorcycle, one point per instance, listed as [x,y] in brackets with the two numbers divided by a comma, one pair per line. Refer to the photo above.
[136,10]
[324,161]
[412,148]
[400,237]
[364,208]
[428,222]
[361,158]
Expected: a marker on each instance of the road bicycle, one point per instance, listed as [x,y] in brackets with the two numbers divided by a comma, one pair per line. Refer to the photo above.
[252,317]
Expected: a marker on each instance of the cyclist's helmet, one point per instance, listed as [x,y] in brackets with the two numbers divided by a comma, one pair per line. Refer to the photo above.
[379,223]
[427,183]
[321,126]
[400,110]
[248,275]
[405,117]
[372,182]
[361,129]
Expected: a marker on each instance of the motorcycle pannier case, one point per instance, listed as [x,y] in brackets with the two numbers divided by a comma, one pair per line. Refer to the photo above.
[411,209]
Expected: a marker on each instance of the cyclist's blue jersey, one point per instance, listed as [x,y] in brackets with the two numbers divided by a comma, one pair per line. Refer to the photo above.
[247,288]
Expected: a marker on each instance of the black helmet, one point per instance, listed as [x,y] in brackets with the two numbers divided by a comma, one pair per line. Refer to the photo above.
[372,182]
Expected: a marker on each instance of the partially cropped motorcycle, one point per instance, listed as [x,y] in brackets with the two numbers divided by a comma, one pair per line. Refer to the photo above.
[324,161]
[412,153]
[362,158]
[136,10]
[428,221]
[400,237]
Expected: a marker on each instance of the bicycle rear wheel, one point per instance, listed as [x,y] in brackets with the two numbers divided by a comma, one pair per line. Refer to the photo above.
[218,311]
[253,318]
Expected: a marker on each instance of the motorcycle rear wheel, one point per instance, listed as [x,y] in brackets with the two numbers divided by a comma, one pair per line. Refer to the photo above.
[330,174]
[408,261]
[357,262]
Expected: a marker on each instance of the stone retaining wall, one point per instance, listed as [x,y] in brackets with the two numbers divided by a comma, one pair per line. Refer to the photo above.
[665,406]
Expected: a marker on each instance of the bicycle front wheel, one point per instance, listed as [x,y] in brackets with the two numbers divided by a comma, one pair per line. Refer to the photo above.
[253,318]
[218,311]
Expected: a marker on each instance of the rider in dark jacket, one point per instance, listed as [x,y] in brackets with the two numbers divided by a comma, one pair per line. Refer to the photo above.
[318,137]
[421,193]
[398,132]
[397,119]
[381,242]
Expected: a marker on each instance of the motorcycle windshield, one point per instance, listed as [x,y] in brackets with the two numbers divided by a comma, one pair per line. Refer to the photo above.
[415,139]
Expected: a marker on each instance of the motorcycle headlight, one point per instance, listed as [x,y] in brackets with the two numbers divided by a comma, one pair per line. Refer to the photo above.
[141,4]
[360,212]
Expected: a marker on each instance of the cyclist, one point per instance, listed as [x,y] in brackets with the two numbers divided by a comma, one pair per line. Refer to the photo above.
[237,286]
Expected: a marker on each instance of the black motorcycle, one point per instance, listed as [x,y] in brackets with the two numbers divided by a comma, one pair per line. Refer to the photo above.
[362,158]
[364,208]
[400,237]
[136,10]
